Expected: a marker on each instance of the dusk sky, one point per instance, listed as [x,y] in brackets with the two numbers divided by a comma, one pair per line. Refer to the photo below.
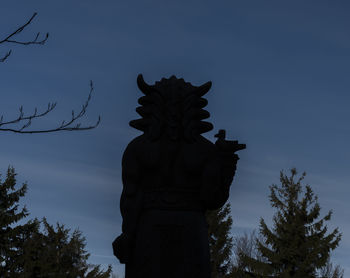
[280,73]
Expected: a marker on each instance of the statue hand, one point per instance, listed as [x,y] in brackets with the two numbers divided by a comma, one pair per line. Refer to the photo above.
[228,158]
[122,248]
[227,146]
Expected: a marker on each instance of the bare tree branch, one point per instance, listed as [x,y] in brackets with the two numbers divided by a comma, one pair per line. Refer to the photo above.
[5,57]
[9,38]
[26,120]
[69,125]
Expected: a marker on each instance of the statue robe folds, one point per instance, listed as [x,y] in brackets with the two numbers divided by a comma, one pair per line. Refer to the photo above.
[171,176]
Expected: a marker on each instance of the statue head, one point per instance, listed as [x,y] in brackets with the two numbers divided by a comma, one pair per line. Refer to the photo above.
[172,108]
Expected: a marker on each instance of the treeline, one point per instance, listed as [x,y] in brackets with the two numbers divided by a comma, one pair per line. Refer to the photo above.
[37,248]
[298,244]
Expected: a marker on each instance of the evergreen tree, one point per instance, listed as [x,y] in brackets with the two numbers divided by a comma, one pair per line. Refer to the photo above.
[11,233]
[246,245]
[56,253]
[26,251]
[220,241]
[298,244]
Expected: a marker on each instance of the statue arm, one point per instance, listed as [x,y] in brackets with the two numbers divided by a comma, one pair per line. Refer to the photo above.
[131,197]
[130,206]
[217,178]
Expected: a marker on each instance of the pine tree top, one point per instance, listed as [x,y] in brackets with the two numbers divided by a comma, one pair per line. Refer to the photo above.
[298,244]
[9,198]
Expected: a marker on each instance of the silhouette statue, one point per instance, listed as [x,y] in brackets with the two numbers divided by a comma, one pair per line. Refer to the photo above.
[171,176]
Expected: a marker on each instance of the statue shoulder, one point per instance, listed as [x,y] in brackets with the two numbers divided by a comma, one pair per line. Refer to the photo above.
[136,144]
[199,152]
[206,145]
[133,149]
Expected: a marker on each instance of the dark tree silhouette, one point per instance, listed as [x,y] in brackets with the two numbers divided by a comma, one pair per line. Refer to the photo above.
[25,121]
[10,229]
[247,246]
[220,242]
[298,244]
[28,251]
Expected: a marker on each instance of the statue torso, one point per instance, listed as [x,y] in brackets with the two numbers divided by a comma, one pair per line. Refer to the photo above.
[168,164]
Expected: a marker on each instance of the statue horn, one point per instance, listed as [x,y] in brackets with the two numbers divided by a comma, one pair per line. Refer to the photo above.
[143,86]
[203,89]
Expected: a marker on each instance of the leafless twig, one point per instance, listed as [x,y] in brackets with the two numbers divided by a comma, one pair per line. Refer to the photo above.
[9,38]
[69,125]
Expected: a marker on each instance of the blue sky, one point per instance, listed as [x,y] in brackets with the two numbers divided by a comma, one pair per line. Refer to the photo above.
[280,84]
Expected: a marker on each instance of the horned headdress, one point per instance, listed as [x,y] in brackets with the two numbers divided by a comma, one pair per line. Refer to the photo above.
[172,107]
